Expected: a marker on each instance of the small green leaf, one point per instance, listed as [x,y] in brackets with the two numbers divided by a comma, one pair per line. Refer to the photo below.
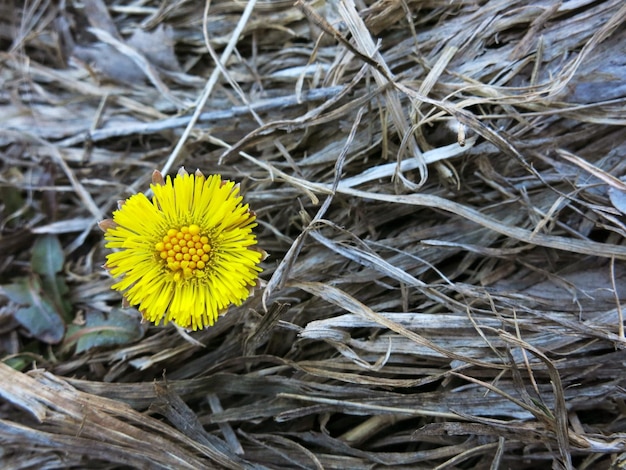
[27,356]
[48,257]
[18,292]
[114,328]
[18,362]
[38,314]
[47,260]
[42,321]
[56,290]
[13,204]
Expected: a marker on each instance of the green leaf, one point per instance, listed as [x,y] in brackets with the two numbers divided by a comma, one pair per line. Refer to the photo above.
[26,357]
[112,329]
[18,292]
[41,318]
[13,204]
[56,290]
[43,322]
[38,314]
[48,257]
[18,362]
[47,260]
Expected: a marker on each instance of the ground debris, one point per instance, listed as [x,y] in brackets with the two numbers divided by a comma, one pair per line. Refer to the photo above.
[439,186]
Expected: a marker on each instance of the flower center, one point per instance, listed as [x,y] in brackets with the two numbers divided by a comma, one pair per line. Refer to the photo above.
[184,251]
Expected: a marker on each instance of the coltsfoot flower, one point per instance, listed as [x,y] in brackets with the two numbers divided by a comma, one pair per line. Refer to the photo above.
[186,255]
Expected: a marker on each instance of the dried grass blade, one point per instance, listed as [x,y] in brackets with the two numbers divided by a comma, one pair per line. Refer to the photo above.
[594,170]
[208,88]
[347,302]
[365,43]
[587,247]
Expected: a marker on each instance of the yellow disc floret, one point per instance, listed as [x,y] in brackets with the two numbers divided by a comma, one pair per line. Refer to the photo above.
[184,251]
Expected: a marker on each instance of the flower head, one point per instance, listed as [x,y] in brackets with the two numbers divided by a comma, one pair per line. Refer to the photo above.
[186,255]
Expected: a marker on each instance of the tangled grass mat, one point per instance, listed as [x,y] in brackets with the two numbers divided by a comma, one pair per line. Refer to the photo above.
[438,184]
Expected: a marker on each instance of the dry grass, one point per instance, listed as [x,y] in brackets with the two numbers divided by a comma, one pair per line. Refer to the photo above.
[438,184]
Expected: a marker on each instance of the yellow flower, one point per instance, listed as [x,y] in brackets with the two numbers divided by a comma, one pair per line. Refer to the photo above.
[188,254]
